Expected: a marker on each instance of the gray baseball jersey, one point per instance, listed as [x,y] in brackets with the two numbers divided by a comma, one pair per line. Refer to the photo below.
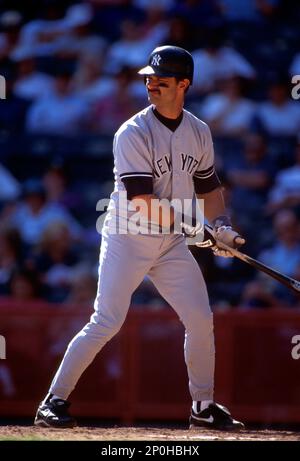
[150,158]
[170,163]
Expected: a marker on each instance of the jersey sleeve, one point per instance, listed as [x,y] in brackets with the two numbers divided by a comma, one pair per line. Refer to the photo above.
[206,178]
[133,163]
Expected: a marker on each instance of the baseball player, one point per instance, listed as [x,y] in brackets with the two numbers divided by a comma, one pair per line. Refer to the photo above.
[162,152]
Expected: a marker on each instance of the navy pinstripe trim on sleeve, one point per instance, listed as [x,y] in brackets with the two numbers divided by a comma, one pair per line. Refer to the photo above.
[208,184]
[135,174]
[205,173]
[138,185]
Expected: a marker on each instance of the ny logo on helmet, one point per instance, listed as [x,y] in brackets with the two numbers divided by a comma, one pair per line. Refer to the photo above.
[155,60]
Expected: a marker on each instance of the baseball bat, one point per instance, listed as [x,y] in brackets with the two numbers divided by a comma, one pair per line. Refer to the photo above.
[282,278]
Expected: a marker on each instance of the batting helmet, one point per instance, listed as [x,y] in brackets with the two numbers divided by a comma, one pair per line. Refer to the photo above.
[170,61]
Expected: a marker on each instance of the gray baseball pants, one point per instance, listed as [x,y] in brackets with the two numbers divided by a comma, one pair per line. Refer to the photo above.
[124,261]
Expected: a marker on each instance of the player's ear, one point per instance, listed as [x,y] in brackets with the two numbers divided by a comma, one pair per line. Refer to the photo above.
[184,84]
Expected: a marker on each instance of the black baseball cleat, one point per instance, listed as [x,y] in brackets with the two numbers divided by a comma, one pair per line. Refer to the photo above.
[215,416]
[54,414]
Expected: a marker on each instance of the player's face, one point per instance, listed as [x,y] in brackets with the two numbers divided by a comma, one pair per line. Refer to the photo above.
[162,89]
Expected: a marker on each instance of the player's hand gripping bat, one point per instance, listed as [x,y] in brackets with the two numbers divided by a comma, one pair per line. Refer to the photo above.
[210,241]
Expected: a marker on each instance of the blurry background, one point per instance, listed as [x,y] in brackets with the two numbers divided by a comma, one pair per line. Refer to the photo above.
[70,70]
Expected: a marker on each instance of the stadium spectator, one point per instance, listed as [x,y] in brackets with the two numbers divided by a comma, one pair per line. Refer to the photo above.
[56,259]
[132,47]
[155,24]
[257,295]
[250,177]
[33,214]
[110,112]
[180,33]
[43,33]
[63,113]
[89,82]
[83,286]
[286,189]
[284,253]
[29,83]
[57,186]
[279,115]
[25,285]
[80,39]
[216,61]
[228,113]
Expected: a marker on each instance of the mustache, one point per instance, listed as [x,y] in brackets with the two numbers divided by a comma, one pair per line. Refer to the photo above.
[160,85]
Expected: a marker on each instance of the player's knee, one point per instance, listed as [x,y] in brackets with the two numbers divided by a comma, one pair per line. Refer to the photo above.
[198,317]
[106,326]
[98,334]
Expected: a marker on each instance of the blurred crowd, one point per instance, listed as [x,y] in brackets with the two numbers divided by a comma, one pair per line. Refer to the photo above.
[71,77]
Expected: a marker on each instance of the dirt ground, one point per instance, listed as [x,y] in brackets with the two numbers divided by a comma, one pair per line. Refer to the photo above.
[141,433]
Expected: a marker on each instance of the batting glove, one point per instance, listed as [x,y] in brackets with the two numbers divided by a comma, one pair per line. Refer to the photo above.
[223,232]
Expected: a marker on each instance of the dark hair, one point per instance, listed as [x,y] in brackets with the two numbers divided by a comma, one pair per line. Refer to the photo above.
[31,276]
